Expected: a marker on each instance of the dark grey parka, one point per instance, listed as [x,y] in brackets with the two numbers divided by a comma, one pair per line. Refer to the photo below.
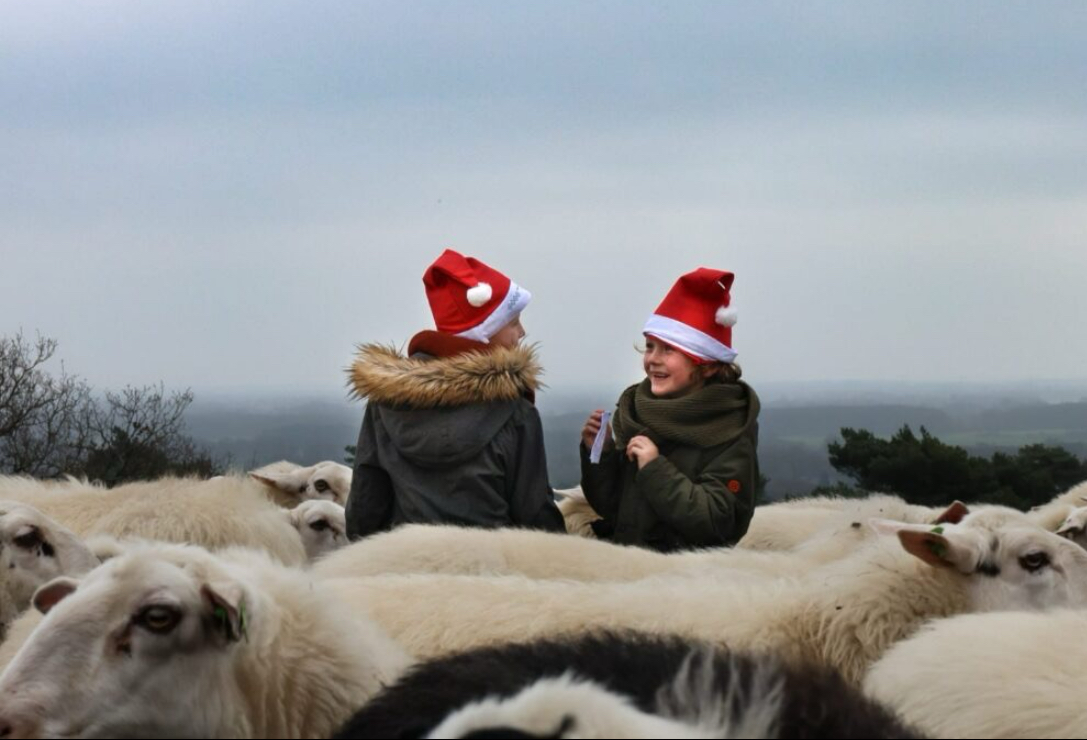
[451,439]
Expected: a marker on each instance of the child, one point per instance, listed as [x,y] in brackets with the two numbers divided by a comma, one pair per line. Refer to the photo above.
[450,434]
[682,469]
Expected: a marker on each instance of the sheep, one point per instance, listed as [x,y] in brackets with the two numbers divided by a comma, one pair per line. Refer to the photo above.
[569,707]
[844,614]
[232,511]
[290,484]
[1055,514]
[614,685]
[472,551]
[34,549]
[185,643]
[322,525]
[1007,675]
[578,514]
[1051,515]
[784,525]
[453,550]
[1074,526]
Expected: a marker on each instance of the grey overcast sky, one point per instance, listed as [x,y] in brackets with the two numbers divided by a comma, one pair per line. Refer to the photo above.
[230,195]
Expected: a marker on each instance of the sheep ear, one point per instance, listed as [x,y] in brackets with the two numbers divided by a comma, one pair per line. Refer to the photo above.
[54,592]
[226,608]
[273,481]
[924,541]
[953,514]
[930,547]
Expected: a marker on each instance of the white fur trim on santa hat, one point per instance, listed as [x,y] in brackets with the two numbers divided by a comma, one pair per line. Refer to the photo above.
[688,339]
[505,312]
[727,316]
[480,295]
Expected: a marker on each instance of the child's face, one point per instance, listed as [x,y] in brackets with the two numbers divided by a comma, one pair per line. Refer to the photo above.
[670,372]
[510,335]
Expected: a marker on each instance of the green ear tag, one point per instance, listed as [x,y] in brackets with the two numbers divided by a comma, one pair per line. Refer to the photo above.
[937,530]
[939,549]
[221,616]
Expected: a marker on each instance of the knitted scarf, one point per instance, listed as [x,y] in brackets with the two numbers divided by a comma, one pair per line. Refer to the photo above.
[715,414]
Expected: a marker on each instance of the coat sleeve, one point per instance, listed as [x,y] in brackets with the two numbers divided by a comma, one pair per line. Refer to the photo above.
[532,502]
[602,483]
[712,510]
[370,503]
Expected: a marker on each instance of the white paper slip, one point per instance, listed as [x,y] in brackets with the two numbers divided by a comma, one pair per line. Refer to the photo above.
[598,443]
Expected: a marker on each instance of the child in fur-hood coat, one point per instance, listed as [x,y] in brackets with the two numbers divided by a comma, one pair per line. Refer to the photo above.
[450,434]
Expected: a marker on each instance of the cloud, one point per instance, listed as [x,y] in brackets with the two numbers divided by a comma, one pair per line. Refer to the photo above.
[230,196]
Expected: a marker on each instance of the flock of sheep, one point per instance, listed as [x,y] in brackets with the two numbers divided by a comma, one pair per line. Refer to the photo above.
[234,607]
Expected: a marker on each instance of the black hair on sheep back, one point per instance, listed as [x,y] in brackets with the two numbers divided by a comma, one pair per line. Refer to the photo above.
[816,701]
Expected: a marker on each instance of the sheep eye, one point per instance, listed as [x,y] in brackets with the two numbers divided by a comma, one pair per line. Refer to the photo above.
[159,619]
[320,525]
[29,540]
[321,485]
[1034,561]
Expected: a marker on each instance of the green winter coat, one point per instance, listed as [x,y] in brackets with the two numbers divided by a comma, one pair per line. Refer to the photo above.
[700,491]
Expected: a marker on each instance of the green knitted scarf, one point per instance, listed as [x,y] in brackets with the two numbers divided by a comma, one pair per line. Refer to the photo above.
[715,414]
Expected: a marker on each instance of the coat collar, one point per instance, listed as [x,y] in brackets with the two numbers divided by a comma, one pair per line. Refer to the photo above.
[481,374]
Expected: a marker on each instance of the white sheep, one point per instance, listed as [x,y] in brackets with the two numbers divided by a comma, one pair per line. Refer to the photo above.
[1051,515]
[1074,526]
[577,512]
[34,549]
[473,551]
[184,643]
[322,525]
[453,550]
[230,511]
[844,614]
[787,524]
[1003,675]
[290,484]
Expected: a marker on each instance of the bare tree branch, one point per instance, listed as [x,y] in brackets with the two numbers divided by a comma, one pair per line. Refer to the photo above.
[53,425]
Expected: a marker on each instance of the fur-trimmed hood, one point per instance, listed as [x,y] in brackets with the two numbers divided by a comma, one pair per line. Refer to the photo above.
[383,375]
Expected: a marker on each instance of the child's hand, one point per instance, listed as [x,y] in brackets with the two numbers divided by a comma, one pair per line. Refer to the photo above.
[592,427]
[642,449]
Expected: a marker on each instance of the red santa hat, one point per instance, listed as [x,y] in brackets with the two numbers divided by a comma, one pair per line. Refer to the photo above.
[696,316]
[470,299]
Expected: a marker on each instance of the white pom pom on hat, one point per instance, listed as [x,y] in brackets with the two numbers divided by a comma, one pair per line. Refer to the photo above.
[480,295]
[471,299]
[727,316]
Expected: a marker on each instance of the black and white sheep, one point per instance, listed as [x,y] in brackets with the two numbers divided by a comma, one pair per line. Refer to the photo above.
[615,685]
